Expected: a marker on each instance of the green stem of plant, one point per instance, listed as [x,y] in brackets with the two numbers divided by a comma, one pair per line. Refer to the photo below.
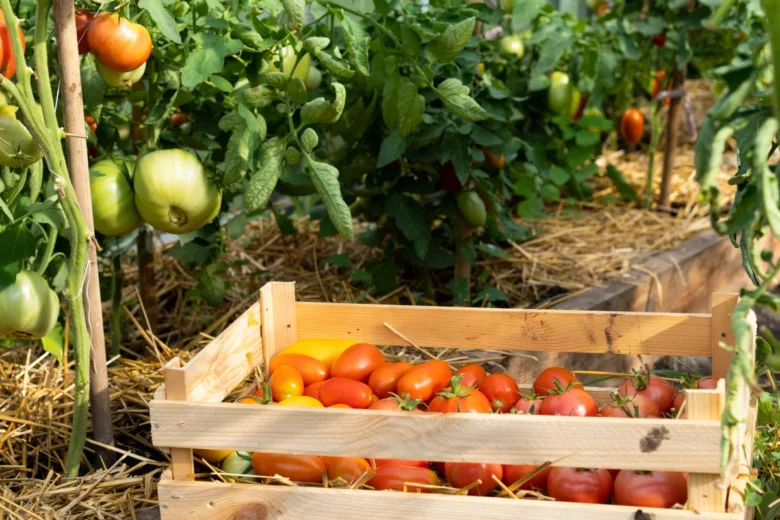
[655,136]
[367,18]
[48,138]
[116,305]
[42,68]
[18,187]
[772,10]
[51,240]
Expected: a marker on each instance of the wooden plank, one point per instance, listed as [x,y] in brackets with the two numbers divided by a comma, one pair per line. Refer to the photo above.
[510,329]
[705,494]
[280,326]
[651,444]
[722,306]
[227,361]
[182,461]
[218,501]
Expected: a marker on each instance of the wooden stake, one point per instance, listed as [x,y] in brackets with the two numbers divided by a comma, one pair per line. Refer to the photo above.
[73,116]
[672,134]
[462,265]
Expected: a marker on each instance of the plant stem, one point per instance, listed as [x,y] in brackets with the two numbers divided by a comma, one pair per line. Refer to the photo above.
[772,10]
[46,258]
[41,67]
[116,305]
[655,136]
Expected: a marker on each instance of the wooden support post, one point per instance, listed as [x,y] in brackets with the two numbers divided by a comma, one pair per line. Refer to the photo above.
[704,492]
[182,461]
[672,134]
[278,322]
[78,164]
[722,306]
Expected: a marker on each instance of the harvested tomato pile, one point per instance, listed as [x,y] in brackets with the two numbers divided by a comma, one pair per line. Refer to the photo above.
[341,374]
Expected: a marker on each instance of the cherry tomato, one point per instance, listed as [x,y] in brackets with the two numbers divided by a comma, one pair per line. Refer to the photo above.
[313,390]
[384,380]
[178,118]
[286,382]
[460,399]
[91,123]
[707,383]
[632,125]
[83,20]
[378,463]
[449,179]
[530,405]
[403,477]
[396,403]
[679,399]
[501,390]
[496,163]
[425,379]
[9,63]
[301,401]
[346,468]
[472,374]
[587,486]
[545,382]
[299,468]
[574,402]
[340,390]
[118,43]
[515,472]
[311,370]
[658,390]
[659,40]
[462,474]
[650,488]
[637,406]
[357,362]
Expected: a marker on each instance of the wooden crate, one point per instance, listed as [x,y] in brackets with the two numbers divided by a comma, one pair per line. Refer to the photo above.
[188,413]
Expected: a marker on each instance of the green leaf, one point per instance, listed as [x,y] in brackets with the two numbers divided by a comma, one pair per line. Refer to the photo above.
[210,286]
[54,343]
[296,10]
[559,176]
[316,46]
[326,180]
[390,93]
[409,216]
[276,80]
[492,250]
[586,138]
[411,107]
[309,140]
[322,111]
[524,13]
[492,294]
[393,146]
[296,90]
[455,96]
[357,44]
[235,226]
[164,20]
[263,182]
[552,50]
[624,188]
[18,244]
[485,137]
[92,85]
[257,97]
[452,41]
[339,260]
[191,252]
[221,83]
[208,60]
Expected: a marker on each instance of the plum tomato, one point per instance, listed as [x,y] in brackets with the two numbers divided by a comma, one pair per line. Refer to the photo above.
[587,486]
[402,478]
[299,468]
[462,474]
[313,390]
[424,380]
[545,383]
[650,488]
[574,402]
[286,382]
[301,401]
[378,463]
[632,125]
[357,362]
[472,373]
[346,468]
[311,370]
[396,403]
[516,472]
[459,399]
[384,380]
[340,390]
[501,390]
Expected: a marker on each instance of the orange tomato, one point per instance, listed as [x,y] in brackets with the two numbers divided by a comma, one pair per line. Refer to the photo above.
[384,380]
[250,399]
[460,399]
[311,370]
[378,463]
[9,63]
[473,374]
[357,362]
[632,125]
[299,468]
[340,390]
[340,405]
[83,21]
[286,382]
[118,43]
[403,477]
[91,123]
[425,379]
[346,468]
[313,390]
[492,161]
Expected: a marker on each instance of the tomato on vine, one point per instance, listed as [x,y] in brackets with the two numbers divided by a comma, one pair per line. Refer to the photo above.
[117,43]
[512,45]
[84,19]
[17,146]
[632,126]
[9,62]
[28,307]
[113,203]
[118,79]
[493,162]
[472,207]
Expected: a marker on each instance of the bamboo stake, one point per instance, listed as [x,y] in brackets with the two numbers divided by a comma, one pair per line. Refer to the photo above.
[672,134]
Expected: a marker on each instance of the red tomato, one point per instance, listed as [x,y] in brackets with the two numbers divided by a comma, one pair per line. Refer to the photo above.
[501,390]
[346,468]
[659,40]
[340,406]
[286,382]
[313,390]
[398,462]
[9,63]
[384,380]
[650,488]
[449,179]
[473,374]
[530,405]
[574,402]
[588,486]
[637,406]
[632,125]
[311,370]
[425,379]
[83,21]
[403,477]
[459,399]
[462,474]
[357,362]
[300,468]
[91,123]
[546,381]
[678,401]
[658,390]
[707,383]
[397,404]
[118,43]
[340,390]
[493,162]
[515,472]
[178,118]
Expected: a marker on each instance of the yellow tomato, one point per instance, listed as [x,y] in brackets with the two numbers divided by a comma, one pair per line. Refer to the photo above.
[301,401]
[212,456]
[301,71]
[324,350]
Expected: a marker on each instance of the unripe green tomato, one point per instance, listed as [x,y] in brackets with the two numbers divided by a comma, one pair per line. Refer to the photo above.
[237,463]
[17,146]
[314,80]
[559,95]
[123,131]
[28,307]
[512,46]
[472,207]
[120,79]
[301,71]
[113,204]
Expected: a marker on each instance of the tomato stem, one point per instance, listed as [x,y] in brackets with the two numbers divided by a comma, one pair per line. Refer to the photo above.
[772,10]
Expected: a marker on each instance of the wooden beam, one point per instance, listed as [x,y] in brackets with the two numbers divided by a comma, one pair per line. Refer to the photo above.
[615,443]
[278,315]
[704,492]
[722,307]
[182,461]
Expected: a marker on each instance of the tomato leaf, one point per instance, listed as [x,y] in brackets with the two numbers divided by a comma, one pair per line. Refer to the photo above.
[309,140]
[164,20]
[326,180]
[54,342]
[393,146]
[322,111]
[390,92]
[209,59]
[586,138]
[296,91]
[357,44]
[295,10]
[452,41]
[624,188]
[18,244]
[316,46]
[210,286]
[92,85]
[524,13]
[552,50]
[411,107]
[409,216]
[263,182]
[257,97]
[455,96]
[276,80]
[559,176]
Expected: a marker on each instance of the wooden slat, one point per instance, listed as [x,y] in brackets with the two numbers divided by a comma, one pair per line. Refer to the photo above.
[280,327]
[705,494]
[510,329]
[182,462]
[650,444]
[218,501]
[722,306]
[227,361]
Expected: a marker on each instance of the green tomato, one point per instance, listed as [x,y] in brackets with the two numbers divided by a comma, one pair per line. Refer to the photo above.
[512,46]
[237,463]
[17,146]
[559,96]
[116,79]
[28,307]
[113,204]
[576,103]
[173,193]
[314,80]
[301,71]
[472,207]
[123,131]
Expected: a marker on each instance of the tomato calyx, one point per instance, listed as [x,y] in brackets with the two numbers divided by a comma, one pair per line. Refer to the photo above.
[455,389]
[559,389]
[263,393]
[406,403]
[640,380]
[627,404]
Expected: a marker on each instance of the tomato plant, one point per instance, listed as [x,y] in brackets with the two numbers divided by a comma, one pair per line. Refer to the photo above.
[312,370]
[340,390]
[588,486]
[551,379]
[400,478]
[298,468]
[425,380]
[472,374]
[459,399]
[650,488]
[573,401]
[358,362]
[658,390]
[501,390]
[462,474]
[286,382]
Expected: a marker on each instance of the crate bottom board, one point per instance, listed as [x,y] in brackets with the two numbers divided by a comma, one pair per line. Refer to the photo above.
[221,501]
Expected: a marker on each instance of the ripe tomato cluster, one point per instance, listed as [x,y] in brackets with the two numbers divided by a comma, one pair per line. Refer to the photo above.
[359,376]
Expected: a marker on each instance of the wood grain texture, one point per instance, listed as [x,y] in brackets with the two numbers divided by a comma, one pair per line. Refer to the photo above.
[227,361]
[705,494]
[722,306]
[182,461]
[280,326]
[509,329]
[218,501]
[651,444]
